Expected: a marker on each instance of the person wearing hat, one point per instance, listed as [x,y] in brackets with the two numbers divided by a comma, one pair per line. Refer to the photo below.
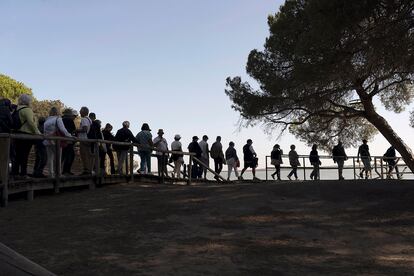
[144,138]
[363,151]
[160,143]
[205,155]
[177,158]
[194,147]
[68,152]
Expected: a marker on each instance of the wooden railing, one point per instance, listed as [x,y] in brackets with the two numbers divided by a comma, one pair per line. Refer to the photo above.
[97,176]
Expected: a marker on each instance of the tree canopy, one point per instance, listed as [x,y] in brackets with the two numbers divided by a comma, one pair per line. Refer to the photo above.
[12,89]
[324,65]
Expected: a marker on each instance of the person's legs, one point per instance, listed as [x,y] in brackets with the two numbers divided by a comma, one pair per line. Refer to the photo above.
[26,147]
[278,172]
[51,160]
[160,162]
[85,153]
[254,172]
[295,172]
[121,154]
[340,169]
[177,168]
[148,161]
[111,160]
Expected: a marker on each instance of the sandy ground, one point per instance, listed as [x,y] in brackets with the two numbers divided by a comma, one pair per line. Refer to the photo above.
[329,228]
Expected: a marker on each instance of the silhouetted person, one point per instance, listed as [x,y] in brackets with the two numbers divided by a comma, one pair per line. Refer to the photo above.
[391,158]
[339,156]
[294,162]
[315,161]
[205,155]
[363,151]
[161,144]
[217,154]
[232,161]
[126,136]
[108,136]
[276,160]
[194,147]
[176,157]
[6,121]
[250,159]
[144,138]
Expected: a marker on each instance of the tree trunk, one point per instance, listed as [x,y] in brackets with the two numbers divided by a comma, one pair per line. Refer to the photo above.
[386,130]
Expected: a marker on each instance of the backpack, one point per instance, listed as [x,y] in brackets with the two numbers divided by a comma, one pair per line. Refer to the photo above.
[16,122]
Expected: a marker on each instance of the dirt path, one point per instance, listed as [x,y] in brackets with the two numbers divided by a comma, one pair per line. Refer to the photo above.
[247,229]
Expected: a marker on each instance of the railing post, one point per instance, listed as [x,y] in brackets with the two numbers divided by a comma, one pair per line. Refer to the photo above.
[304,168]
[96,166]
[131,163]
[57,166]
[4,169]
[267,178]
[190,169]
[382,168]
[162,168]
[353,161]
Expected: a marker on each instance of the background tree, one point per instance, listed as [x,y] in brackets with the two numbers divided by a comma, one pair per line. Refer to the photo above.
[324,65]
[42,108]
[12,89]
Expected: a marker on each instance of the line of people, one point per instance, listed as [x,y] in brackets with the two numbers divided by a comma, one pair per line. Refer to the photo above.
[339,157]
[20,119]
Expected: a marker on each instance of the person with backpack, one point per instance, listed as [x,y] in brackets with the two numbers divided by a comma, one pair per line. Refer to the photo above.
[6,121]
[276,160]
[194,147]
[250,159]
[363,151]
[390,157]
[339,156]
[217,154]
[24,123]
[294,162]
[315,161]
[85,147]
[53,127]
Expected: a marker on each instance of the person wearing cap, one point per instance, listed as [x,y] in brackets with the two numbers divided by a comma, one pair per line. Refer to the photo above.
[194,147]
[363,151]
[123,135]
[205,155]
[250,159]
[160,143]
[217,154]
[144,138]
[176,157]
[68,152]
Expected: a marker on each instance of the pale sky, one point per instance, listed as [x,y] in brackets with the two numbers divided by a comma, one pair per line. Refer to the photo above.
[161,62]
